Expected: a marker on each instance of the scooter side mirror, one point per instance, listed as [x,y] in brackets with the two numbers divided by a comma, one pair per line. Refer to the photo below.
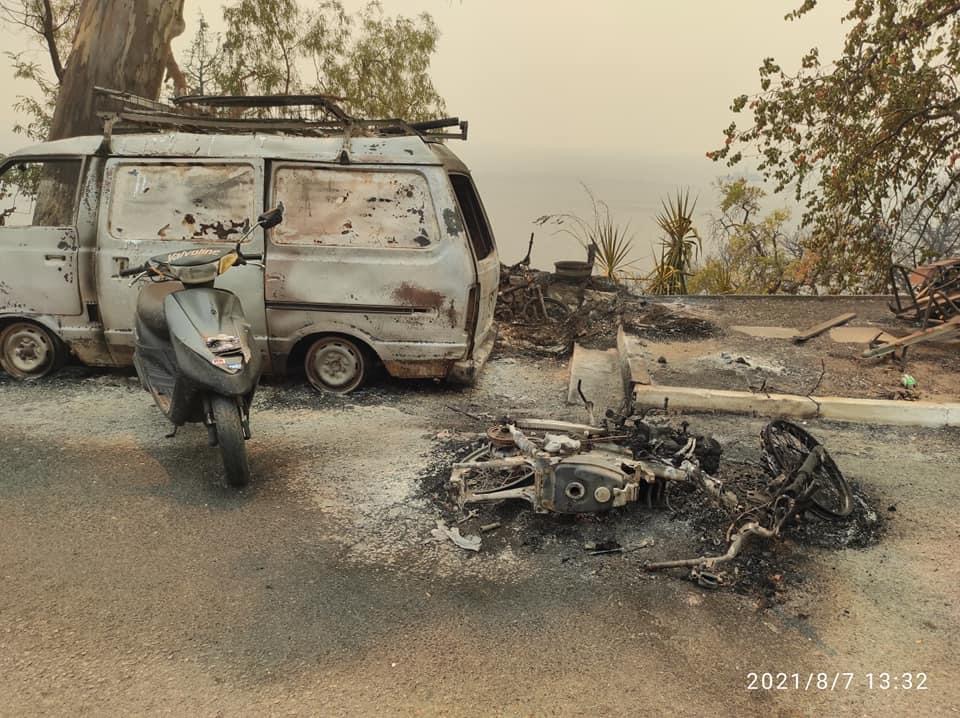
[272,217]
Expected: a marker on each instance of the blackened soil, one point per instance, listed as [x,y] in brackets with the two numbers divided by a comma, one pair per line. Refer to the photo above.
[659,322]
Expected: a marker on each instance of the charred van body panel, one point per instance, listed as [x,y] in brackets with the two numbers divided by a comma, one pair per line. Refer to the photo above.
[401,262]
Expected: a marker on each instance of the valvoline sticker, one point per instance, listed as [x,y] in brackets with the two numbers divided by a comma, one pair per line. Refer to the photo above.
[228,362]
[199,252]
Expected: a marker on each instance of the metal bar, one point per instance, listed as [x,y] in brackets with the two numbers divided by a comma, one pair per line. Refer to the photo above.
[184,122]
[822,327]
[349,308]
[565,426]
[161,119]
[130,99]
[436,124]
[923,335]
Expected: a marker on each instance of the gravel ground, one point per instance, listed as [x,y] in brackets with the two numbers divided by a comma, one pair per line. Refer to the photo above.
[134,583]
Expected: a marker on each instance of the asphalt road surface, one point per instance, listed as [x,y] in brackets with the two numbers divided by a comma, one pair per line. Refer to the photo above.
[133,583]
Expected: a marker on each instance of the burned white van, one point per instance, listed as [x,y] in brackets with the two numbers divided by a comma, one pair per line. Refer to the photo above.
[385,254]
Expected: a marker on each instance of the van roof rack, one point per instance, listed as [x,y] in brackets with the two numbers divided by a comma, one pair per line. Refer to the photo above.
[303,115]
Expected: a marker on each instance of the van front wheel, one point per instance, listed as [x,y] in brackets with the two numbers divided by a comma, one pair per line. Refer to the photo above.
[29,351]
[335,364]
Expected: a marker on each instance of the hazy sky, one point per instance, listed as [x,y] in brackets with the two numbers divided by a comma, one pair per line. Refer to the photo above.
[626,96]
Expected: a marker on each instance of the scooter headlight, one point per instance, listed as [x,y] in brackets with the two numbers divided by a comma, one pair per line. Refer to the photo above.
[224,344]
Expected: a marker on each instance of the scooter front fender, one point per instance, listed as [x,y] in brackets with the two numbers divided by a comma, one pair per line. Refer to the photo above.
[197,314]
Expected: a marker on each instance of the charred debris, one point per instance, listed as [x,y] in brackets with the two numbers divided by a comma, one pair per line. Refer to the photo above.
[928,296]
[544,313]
[633,461]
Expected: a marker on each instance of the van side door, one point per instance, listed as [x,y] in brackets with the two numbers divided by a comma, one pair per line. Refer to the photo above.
[38,236]
[360,252]
[155,206]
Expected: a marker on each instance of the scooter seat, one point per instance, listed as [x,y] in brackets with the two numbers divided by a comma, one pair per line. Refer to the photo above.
[150,306]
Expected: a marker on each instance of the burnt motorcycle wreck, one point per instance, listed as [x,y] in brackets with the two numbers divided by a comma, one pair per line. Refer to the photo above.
[568,468]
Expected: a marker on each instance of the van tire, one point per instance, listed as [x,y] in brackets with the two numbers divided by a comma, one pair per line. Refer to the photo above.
[336,364]
[29,351]
[233,449]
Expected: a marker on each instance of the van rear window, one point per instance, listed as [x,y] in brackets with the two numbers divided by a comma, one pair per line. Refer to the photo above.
[181,201]
[481,238]
[354,208]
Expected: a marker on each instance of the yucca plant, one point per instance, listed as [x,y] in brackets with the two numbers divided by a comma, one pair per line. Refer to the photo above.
[611,241]
[679,247]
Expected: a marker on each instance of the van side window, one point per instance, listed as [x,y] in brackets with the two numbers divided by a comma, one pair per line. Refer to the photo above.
[181,201]
[481,239]
[354,208]
[39,193]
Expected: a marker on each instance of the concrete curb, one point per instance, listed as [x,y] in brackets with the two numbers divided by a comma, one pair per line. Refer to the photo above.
[667,298]
[862,411]
[881,411]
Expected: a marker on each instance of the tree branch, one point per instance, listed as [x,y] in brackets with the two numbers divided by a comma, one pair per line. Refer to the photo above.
[50,37]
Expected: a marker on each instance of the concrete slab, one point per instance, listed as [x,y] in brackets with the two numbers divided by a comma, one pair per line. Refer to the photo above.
[633,366]
[767,332]
[858,335]
[841,335]
[599,372]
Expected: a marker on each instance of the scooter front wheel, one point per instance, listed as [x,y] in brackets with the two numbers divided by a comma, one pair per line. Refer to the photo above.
[226,415]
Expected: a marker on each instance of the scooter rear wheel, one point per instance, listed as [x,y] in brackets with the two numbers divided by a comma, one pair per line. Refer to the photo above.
[233,448]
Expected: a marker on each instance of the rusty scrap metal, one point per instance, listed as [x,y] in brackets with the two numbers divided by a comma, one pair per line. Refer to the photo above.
[933,290]
[928,294]
[629,461]
[785,448]
[290,114]
[522,301]
[807,480]
[601,469]
[767,520]
[942,331]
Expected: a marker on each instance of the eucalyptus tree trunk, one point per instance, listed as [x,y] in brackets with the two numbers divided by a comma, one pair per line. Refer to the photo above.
[121,45]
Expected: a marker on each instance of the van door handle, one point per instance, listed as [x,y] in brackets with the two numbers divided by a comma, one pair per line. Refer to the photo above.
[55,257]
